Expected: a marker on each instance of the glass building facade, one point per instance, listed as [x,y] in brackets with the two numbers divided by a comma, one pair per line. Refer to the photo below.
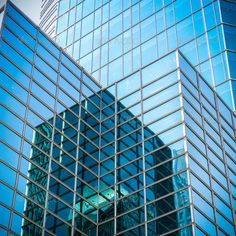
[48,16]
[151,154]
[112,39]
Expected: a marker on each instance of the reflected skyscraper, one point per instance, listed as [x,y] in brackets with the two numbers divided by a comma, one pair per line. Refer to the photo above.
[151,154]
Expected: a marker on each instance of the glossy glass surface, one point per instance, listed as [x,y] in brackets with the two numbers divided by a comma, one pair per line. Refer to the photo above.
[126,159]
[139,32]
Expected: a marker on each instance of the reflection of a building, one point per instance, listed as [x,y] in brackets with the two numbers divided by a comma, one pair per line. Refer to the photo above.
[93,206]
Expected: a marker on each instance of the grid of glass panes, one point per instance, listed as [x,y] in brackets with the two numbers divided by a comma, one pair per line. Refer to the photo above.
[211,149]
[124,168]
[49,139]
[112,39]
[143,168]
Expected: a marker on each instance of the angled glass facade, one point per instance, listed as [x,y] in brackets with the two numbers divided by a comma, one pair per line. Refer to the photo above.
[112,39]
[151,154]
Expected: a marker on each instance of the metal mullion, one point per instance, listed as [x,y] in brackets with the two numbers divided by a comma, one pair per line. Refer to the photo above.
[52,144]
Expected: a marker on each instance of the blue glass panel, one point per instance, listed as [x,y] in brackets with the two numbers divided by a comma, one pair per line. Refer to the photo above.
[25,37]
[126,20]
[63,7]
[22,20]
[182,9]
[115,7]
[193,151]
[87,24]
[124,87]
[11,120]
[86,44]
[190,51]
[232,61]
[8,155]
[115,26]
[202,174]
[5,172]
[115,73]
[214,41]
[219,176]
[209,16]
[44,81]
[135,36]
[47,56]
[197,184]
[228,11]
[70,77]
[6,194]
[146,9]
[203,205]
[149,51]
[220,191]
[172,38]
[72,16]
[161,97]
[159,68]
[161,110]
[202,48]
[160,23]
[13,87]
[198,23]
[62,23]
[38,106]
[205,69]
[224,90]
[42,65]
[17,44]
[161,43]
[4,220]
[218,69]
[165,123]
[223,208]
[135,14]
[185,30]
[42,95]
[12,103]
[115,48]
[204,223]
[196,5]
[224,224]
[148,28]
[170,16]
[15,57]
[3,232]
[160,84]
